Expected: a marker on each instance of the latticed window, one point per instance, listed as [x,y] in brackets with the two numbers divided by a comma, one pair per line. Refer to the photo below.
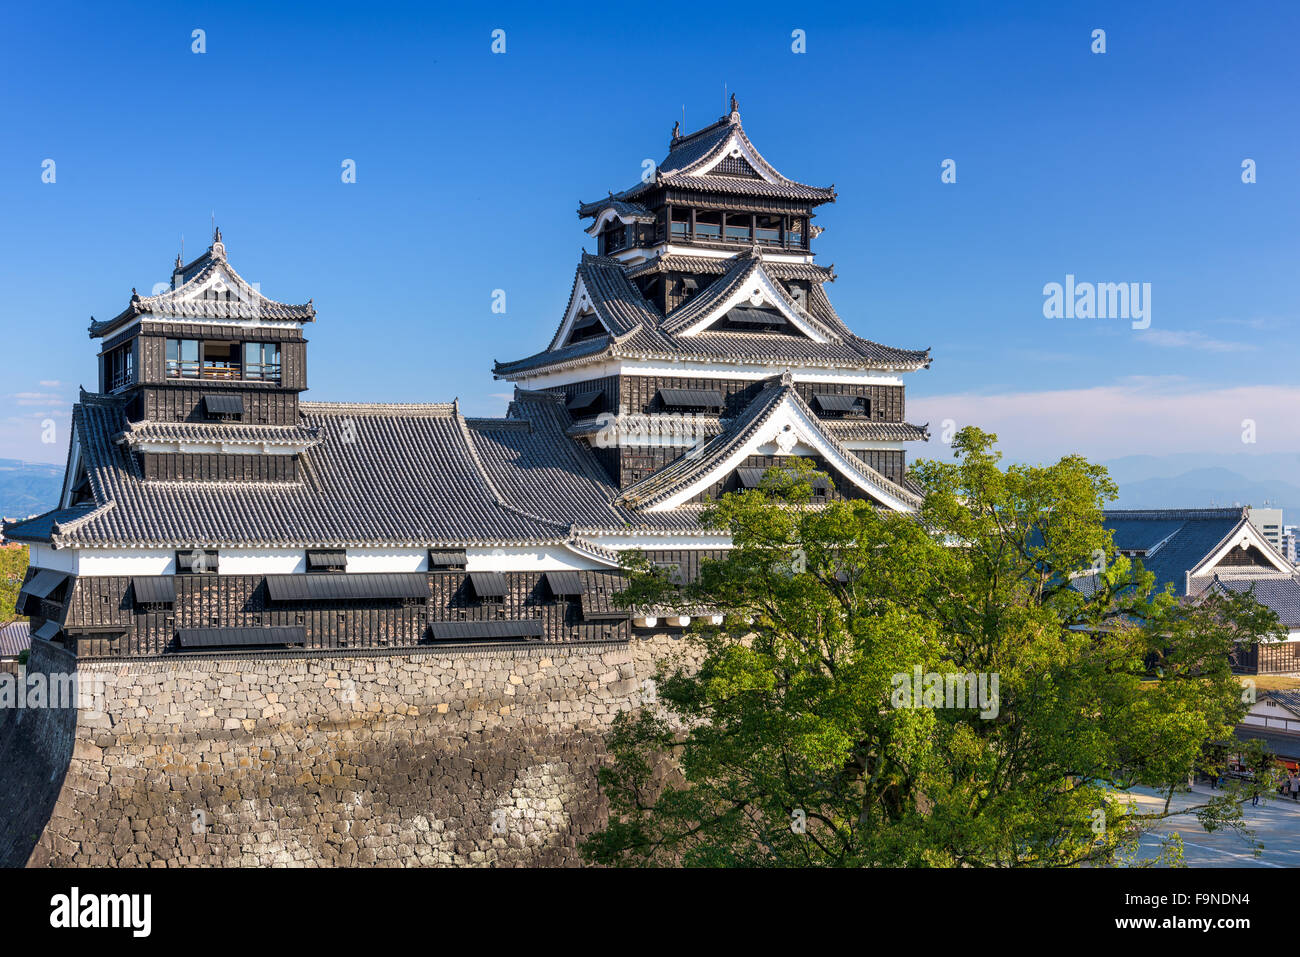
[119,367]
[615,237]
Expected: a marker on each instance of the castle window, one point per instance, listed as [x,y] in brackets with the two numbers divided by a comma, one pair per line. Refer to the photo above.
[196,561]
[708,225]
[119,367]
[614,237]
[681,222]
[699,399]
[446,561]
[739,226]
[768,231]
[154,591]
[327,560]
[488,586]
[262,361]
[843,404]
[183,358]
[224,408]
[220,360]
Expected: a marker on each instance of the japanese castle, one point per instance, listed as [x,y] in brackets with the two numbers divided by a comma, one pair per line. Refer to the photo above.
[208,509]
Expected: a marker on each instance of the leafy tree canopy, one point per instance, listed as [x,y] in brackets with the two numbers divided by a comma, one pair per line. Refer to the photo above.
[790,734]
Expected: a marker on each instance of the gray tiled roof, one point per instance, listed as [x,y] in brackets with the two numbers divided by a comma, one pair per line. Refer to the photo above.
[1172,541]
[689,154]
[543,471]
[708,265]
[1281,744]
[216,433]
[15,637]
[398,475]
[1282,595]
[633,211]
[1200,532]
[250,304]
[617,302]
[850,430]
[743,268]
[638,331]
[687,469]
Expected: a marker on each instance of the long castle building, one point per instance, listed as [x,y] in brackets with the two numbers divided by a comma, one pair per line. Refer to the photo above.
[208,509]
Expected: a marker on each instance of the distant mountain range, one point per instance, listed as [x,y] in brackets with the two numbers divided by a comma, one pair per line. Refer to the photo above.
[28,488]
[1191,480]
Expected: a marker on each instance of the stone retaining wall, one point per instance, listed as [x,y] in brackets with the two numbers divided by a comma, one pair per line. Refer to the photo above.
[483,757]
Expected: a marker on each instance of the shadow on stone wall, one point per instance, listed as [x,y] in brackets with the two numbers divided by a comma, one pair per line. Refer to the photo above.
[35,753]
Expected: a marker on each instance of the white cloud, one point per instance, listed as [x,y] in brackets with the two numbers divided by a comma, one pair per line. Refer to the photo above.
[1189,339]
[1154,415]
[35,398]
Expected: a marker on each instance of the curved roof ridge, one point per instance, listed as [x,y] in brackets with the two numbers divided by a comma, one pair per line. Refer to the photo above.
[265,307]
[380,408]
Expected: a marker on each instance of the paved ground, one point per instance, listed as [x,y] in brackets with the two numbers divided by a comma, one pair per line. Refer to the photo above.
[1276,824]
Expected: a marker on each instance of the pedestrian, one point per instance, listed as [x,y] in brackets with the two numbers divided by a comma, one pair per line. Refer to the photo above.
[1295,787]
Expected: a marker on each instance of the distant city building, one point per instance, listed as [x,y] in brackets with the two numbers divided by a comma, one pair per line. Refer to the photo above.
[1289,543]
[1268,521]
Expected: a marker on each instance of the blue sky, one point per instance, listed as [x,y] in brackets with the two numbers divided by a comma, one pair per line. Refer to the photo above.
[1115,167]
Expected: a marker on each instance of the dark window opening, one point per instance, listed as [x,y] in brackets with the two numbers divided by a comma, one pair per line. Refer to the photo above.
[586,326]
[614,237]
[798,227]
[119,367]
[681,222]
[843,405]
[224,408]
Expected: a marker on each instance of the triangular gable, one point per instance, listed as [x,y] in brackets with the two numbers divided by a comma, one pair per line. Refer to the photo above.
[580,305]
[1247,537]
[777,422]
[736,147]
[601,286]
[76,476]
[215,289]
[748,286]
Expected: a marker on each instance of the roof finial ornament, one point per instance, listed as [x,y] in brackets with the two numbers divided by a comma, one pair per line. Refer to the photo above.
[734,107]
[677,131]
[218,249]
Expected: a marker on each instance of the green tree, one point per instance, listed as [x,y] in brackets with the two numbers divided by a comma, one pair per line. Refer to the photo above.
[13,568]
[779,738]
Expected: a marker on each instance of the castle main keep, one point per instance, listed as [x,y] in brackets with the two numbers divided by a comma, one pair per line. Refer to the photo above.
[343,633]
